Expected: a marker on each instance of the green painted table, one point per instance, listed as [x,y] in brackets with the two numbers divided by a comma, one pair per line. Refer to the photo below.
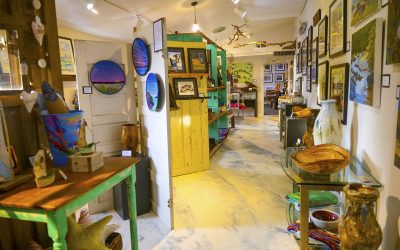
[53,204]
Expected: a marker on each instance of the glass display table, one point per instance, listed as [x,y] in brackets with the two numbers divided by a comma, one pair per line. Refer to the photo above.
[355,172]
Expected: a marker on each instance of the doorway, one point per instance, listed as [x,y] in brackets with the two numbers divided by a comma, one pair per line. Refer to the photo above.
[275,80]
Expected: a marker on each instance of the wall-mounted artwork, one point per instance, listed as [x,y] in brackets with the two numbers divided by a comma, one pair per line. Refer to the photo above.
[268,67]
[176,63]
[308,86]
[153,92]
[322,88]
[309,44]
[361,9]
[268,77]
[185,88]
[397,151]
[314,61]
[298,85]
[304,56]
[337,27]
[66,56]
[393,33]
[107,77]
[322,33]
[280,67]
[279,77]
[298,62]
[140,56]
[365,70]
[242,73]
[339,88]
[198,61]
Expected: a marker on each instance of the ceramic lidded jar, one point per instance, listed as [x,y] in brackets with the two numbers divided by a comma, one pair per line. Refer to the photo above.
[327,125]
[359,228]
[130,137]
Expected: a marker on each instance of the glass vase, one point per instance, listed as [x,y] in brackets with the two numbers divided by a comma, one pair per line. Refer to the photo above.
[327,125]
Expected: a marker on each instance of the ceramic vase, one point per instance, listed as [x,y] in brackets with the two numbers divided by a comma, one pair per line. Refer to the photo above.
[359,228]
[327,125]
[130,137]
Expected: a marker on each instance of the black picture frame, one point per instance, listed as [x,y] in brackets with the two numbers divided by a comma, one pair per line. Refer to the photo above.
[172,101]
[191,82]
[87,90]
[268,67]
[309,84]
[304,56]
[344,95]
[323,66]
[279,67]
[314,62]
[298,62]
[266,80]
[279,77]
[322,34]
[171,62]
[201,55]
[158,38]
[386,78]
[309,45]
[334,52]
[398,92]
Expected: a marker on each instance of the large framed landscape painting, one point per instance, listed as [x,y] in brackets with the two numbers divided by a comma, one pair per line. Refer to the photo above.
[339,89]
[365,70]
[337,27]
[361,9]
[393,33]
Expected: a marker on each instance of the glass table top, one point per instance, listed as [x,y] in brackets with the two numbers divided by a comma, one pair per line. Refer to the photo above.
[355,172]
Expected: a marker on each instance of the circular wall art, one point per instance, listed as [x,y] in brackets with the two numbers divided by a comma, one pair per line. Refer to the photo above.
[107,77]
[140,56]
[153,92]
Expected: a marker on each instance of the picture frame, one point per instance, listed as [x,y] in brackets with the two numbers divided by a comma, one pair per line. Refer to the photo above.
[298,85]
[158,34]
[398,92]
[185,88]
[339,88]
[268,67]
[172,100]
[309,83]
[298,62]
[392,39]
[314,62]
[386,81]
[268,77]
[322,85]
[309,45]
[176,60]
[87,90]
[304,56]
[279,77]
[67,59]
[322,41]
[279,67]
[359,14]
[197,60]
[337,28]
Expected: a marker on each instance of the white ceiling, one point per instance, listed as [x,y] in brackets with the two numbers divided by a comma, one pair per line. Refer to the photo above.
[268,20]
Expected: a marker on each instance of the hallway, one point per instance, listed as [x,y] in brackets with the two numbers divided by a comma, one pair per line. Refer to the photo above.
[239,203]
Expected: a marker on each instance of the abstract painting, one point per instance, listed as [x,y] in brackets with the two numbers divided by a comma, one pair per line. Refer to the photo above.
[176,62]
[397,151]
[322,32]
[198,61]
[337,25]
[339,89]
[322,88]
[107,77]
[153,92]
[393,33]
[140,57]
[361,9]
[185,88]
[365,70]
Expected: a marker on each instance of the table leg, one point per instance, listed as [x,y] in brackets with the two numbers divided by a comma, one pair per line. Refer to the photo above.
[304,215]
[57,228]
[132,208]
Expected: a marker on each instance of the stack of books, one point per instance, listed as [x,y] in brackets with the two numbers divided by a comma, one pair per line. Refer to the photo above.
[316,199]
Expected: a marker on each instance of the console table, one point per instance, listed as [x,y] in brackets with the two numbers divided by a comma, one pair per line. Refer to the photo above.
[54,203]
[355,172]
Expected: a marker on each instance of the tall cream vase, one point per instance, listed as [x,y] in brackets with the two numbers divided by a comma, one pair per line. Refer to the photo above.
[327,126]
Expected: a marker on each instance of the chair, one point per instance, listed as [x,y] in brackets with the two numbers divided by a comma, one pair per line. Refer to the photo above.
[237,104]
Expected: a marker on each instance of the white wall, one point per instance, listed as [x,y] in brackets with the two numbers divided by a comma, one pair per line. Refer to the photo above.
[371,132]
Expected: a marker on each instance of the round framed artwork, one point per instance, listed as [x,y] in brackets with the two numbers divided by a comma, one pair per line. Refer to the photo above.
[107,77]
[153,92]
[140,56]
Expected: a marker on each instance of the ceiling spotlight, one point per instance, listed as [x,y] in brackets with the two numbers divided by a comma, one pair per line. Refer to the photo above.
[90,6]
[235,1]
[195,27]
[239,10]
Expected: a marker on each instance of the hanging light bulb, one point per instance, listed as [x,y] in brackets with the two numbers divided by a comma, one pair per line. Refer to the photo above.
[235,1]
[90,6]
[195,27]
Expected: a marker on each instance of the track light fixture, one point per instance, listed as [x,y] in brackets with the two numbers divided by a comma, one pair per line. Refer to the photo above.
[195,27]
[90,6]
[235,2]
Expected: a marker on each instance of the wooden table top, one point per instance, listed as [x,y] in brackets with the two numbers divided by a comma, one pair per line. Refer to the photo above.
[63,191]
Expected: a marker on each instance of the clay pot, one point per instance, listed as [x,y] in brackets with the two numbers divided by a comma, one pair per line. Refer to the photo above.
[130,137]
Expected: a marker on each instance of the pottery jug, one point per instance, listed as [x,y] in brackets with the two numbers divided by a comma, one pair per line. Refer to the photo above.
[327,126]
[298,99]
[130,137]
[359,228]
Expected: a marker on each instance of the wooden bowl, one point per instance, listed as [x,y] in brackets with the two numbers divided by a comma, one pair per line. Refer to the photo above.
[322,159]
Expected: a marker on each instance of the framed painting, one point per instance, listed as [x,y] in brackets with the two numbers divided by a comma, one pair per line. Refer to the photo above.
[67,56]
[308,86]
[107,77]
[365,70]
[279,77]
[185,88]
[322,33]
[339,88]
[361,9]
[298,63]
[268,77]
[314,61]
[386,81]
[298,85]
[153,92]
[197,60]
[279,67]
[397,147]
[158,34]
[304,56]
[268,67]
[337,27]
[393,33]
[140,56]
[176,60]
[322,88]
[309,45]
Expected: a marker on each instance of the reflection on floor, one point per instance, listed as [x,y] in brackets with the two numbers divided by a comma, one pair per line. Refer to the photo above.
[239,203]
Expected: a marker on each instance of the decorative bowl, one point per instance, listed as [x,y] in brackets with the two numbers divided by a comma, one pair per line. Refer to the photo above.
[325,219]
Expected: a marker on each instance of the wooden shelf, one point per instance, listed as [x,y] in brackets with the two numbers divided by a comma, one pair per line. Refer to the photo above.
[216,117]
[173,108]
[213,89]
[184,75]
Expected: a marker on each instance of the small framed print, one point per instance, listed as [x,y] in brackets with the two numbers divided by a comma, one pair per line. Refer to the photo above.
[398,92]
[158,35]
[279,77]
[185,88]
[268,67]
[268,77]
[280,67]
[176,60]
[87,90]
[386,81]
[197,60]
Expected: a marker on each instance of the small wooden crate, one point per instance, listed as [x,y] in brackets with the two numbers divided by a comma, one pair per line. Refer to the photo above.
[86,163]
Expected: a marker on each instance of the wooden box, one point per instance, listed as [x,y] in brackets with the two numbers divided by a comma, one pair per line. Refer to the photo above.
[86,163]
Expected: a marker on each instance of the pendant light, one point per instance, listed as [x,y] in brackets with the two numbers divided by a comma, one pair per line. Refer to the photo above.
[195,27]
